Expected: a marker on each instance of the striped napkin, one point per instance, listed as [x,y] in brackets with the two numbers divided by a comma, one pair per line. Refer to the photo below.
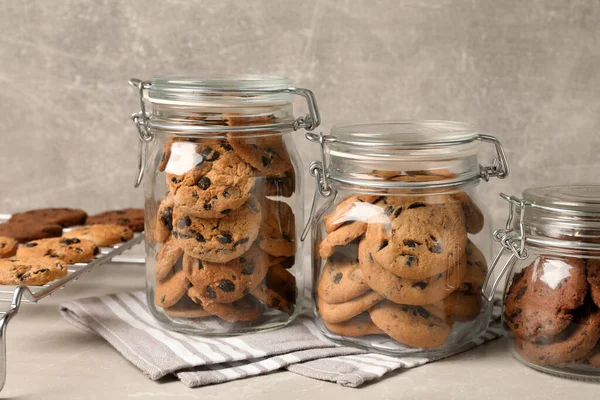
[125,322]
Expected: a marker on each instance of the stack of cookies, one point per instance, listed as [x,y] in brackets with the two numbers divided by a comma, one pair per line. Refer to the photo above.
[552,308]
[401,266]
[44,254]
[225,247]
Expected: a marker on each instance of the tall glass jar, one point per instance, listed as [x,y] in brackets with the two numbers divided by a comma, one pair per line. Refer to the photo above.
[552,294]
[400,247]
[223,201]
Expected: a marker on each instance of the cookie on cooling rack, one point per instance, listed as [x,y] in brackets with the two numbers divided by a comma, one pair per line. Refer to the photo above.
[31,271]
[102,234]
[133,218]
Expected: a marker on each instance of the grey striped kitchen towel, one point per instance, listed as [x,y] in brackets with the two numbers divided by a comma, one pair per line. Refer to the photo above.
[125,322]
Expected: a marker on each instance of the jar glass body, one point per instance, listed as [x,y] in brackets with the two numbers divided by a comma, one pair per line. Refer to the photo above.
[222,210]
[550,311]
[400,255]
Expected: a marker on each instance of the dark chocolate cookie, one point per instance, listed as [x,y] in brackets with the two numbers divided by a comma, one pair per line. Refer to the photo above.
[133,218]
[571,345]
[593,278]
[62,216]
[26,231]
[542,297]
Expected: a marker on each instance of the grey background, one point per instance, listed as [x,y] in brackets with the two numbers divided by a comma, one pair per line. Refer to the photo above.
[526,71]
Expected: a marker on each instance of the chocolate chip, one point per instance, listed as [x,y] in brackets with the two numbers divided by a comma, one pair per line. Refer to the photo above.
[416,205]
[123,239]
[226,193]
[210,293]
[521,292]
[338,277]
[210,154]
[423,312]
[383,245]
[174,180]
[79,250]
[248,269]
[166,217]
[184,222]
[371,258]
[226,211]
[242,260]
[265,161]
[207,205]
[224,238]
[411,243]
[66,242]
[286,237]
[195,195]
[397,212]
[421,285]
[436,248]
[199,264]
[204,183]
[30,244]
[225,144]
[241,241]
[275,302]
[411,261]
[226,285]
[162,300]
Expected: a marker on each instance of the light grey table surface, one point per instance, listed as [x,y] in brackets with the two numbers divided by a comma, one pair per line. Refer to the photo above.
[50,359]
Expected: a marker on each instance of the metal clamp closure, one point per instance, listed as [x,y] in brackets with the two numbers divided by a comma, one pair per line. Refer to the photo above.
[499,167]
[318,169]
[512,242]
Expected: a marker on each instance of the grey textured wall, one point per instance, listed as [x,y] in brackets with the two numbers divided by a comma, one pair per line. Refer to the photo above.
[526,71]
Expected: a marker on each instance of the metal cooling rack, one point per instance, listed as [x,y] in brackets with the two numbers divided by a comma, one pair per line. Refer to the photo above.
[16,295]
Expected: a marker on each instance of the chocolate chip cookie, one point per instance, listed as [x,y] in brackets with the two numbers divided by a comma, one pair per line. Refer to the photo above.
[340,312]
[360,325]
[476,270]
[283,282]
[571,345]
[341,237]
[31,271]
[25,231]
[221,189]
[341,281]
[218,240]
[473,216]
[408,291]
[102,234]
[273,298]
[278,230]
[166,259]
[411,325]
[164,219]
[71,251]
[227,282]
[8,247]
[267,153]
[245,309]
[61,216]
[133,218]
[543,296]
[169,291]
[186,308]
[419,236]
[357,207]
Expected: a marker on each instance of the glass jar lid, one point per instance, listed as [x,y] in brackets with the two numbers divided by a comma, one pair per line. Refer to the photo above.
[220,90]
[407,154]
[567,213]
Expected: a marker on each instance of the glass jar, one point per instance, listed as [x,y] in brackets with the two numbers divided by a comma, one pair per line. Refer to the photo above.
[223,201]
[400,247]
[552,294]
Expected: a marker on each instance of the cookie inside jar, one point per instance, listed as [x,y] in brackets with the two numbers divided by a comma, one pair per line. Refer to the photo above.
[224,204]
[401,247]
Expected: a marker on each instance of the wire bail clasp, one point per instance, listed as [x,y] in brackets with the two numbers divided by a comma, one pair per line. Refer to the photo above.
[511,241]
[141,121]
[318,170]
[499,167]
